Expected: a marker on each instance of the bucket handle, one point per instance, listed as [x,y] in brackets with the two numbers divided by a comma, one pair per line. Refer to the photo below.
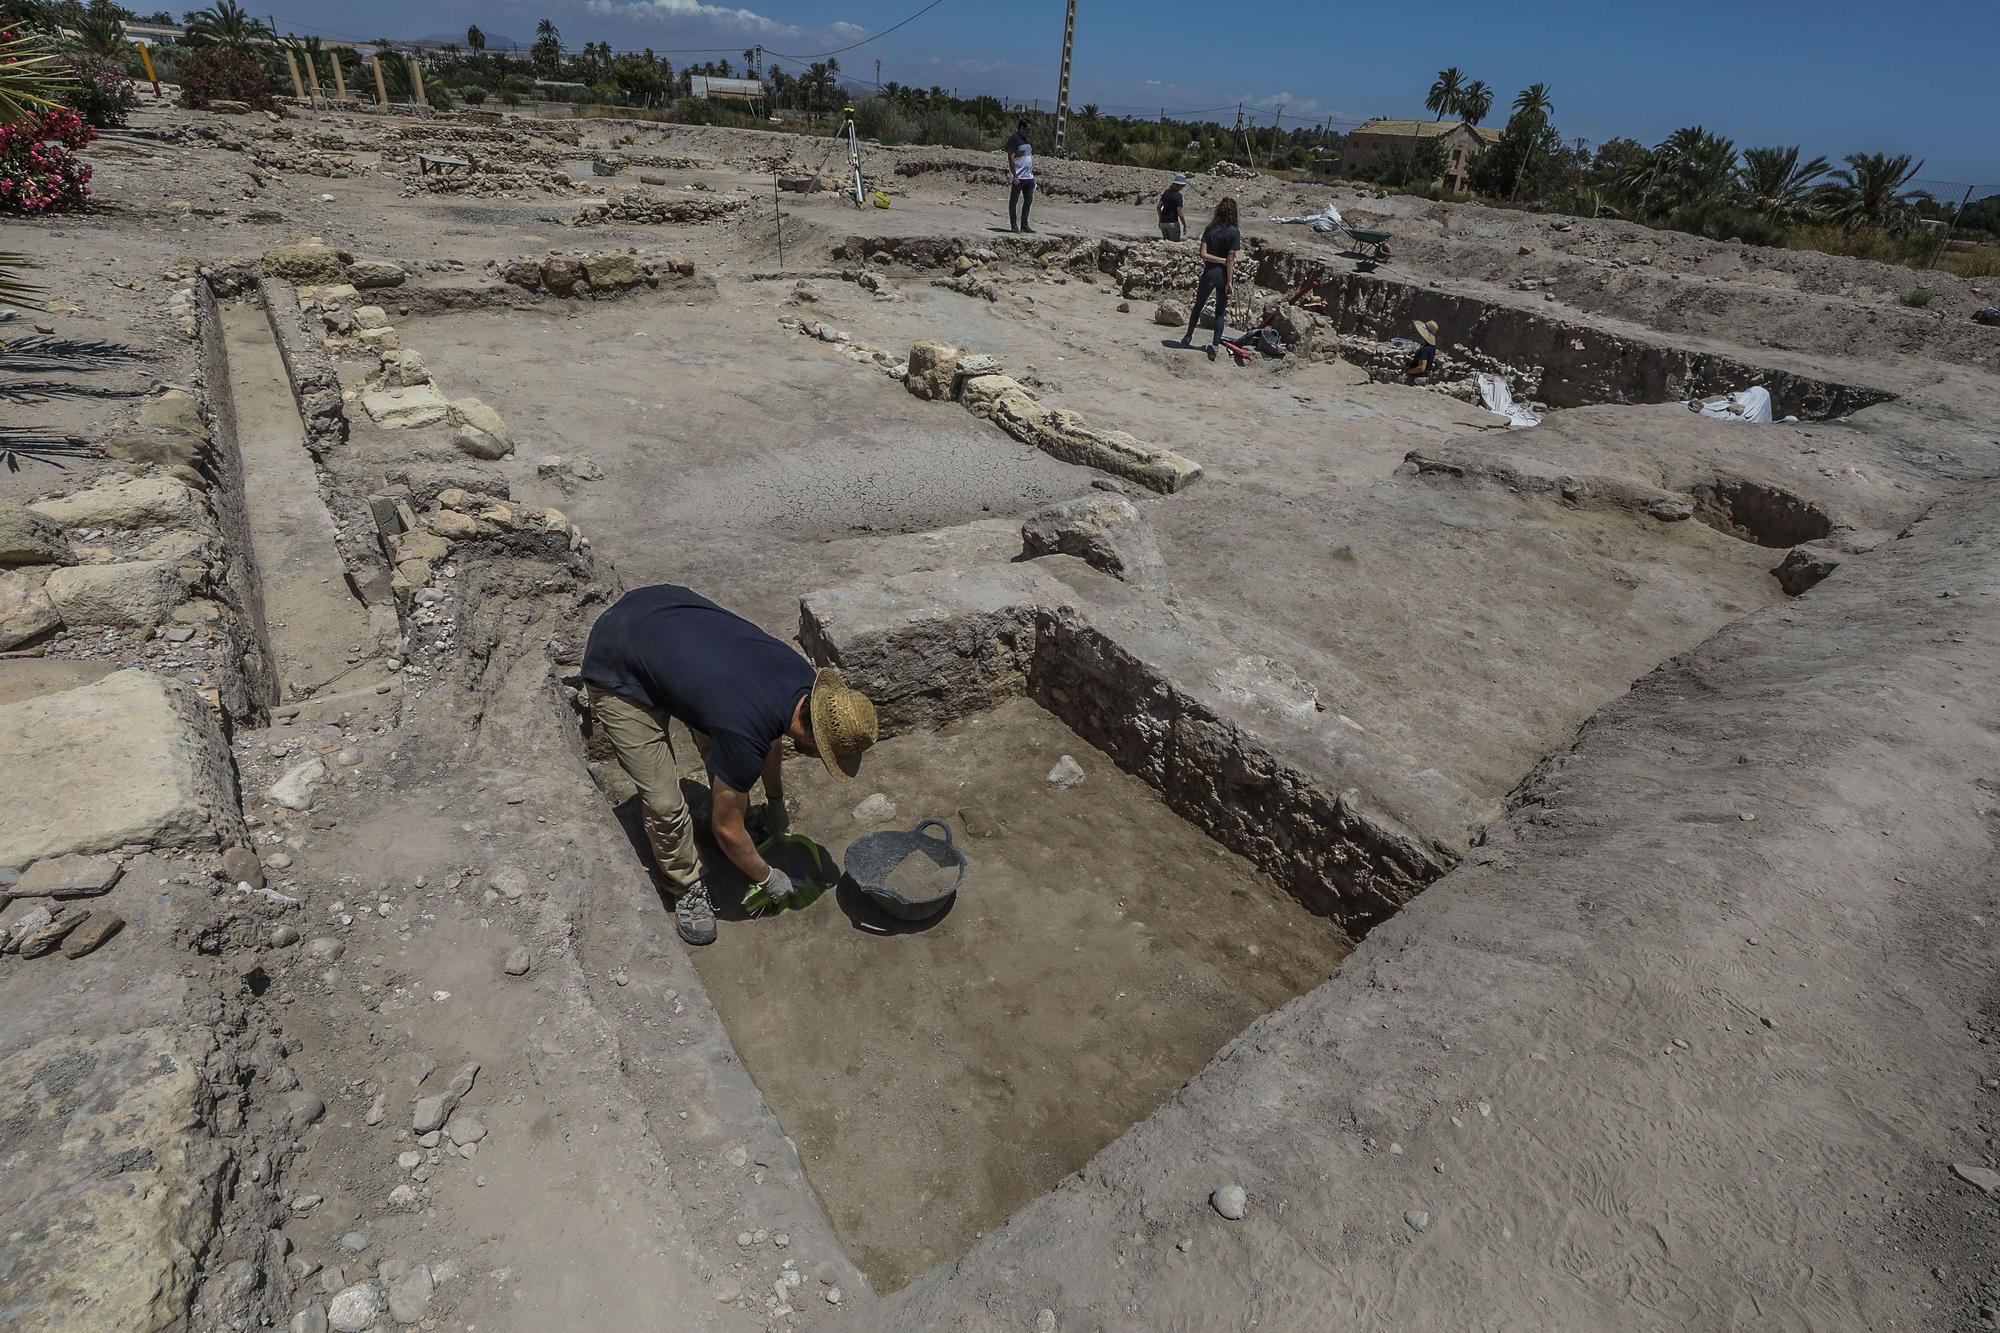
[918,832]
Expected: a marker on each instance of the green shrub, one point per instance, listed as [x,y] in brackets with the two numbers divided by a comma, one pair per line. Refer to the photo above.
[101,93]
[473,94]
[221,74]
[1917,297]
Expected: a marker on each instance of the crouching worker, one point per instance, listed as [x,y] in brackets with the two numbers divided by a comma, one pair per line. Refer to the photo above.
[1424,362]
[665,652]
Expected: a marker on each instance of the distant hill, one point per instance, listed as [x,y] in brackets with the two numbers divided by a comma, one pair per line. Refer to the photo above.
[494,41]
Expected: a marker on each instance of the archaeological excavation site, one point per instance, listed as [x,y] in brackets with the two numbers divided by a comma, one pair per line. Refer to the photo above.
[1405,858]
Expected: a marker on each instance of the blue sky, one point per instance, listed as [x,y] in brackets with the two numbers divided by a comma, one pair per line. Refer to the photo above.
[1836,76]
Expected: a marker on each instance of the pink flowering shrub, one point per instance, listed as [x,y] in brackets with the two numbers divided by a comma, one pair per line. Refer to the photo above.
[39,171]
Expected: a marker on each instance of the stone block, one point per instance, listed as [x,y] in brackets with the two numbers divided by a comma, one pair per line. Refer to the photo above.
[26,613]
[135,594]
[933,369]
[485,422]
[131,758]
[613,272]
[114,1204]
[932,647]
[369,317]
[147,502]
[73,876]
[31,538]
[366,273]
[407,408]
[408,369]
[306,263]
[523,273]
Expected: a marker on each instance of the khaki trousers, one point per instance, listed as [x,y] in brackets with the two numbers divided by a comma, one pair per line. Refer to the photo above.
[639,738]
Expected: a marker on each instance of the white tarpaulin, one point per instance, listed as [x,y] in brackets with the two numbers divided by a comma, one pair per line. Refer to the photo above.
[1752,405]
[1499,400]
[1327,219]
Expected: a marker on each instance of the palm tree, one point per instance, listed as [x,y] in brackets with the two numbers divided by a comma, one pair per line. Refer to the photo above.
[474,38]
[1535,98]
[750,63]
[1445,92]
[1869,190]
[226,23]
[547,50]
[1778,185]
[1475,102]
[1691,169]
[102,30]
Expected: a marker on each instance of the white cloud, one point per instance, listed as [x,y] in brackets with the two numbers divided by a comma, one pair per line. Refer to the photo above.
[724,16]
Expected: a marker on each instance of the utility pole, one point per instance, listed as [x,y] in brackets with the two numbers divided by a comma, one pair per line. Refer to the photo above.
[1277,133]
[1062,85]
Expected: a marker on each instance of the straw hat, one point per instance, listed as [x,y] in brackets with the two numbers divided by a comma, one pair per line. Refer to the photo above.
[1427,329]
[843,723]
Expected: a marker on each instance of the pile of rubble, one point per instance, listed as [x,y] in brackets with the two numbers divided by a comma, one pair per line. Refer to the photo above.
[493,180]
[309,162]
[1228,170]
[647,210]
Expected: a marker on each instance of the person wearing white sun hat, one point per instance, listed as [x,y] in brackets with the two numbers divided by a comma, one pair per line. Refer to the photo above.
[1425,360]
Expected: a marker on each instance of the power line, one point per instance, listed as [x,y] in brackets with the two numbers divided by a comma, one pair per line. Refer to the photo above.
[865,40]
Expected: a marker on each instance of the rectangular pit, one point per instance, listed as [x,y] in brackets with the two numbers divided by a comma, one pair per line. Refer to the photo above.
[1102,951]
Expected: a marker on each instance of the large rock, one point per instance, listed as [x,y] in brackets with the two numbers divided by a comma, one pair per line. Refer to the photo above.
[561,273]
[1295,326]
[933,369]
[407,408]
[374,273]
[26,613]
[113,1188]
[483,434]
[135,594]
[613,272]
[131,758]
[1106,532]
[523,273]
[307,263]
[148,502]
[31,538]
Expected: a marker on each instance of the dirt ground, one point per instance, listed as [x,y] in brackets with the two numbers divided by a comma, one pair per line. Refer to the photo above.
[1101,951]
[1690,757]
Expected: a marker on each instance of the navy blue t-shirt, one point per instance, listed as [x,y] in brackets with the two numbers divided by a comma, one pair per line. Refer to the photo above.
[673,650]
[1224,241]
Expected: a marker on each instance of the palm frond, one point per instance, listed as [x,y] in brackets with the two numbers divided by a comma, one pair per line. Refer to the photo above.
[15,289]
[31,76]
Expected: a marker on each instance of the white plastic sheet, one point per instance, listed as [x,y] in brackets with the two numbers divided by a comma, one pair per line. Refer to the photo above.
[1327,219]
[1499,400]
[1751,405]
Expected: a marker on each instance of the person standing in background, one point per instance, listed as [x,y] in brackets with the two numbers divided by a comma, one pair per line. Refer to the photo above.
[1219,247]
[1021,172]
[1173,209]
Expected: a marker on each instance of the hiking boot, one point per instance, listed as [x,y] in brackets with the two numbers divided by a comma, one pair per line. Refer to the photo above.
[694,915]
[1212,350]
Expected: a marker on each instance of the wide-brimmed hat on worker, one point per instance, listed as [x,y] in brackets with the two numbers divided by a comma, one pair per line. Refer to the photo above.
[1180,178]
[1427,329]
[843,723]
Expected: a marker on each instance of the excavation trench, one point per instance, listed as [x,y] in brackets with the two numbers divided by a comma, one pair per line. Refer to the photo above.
[1556,362]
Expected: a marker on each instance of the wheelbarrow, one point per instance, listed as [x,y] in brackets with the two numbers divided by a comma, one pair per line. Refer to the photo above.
[1370,247]
[873,857]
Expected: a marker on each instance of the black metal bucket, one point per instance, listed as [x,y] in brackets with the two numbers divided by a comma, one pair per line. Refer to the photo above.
[873,857]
